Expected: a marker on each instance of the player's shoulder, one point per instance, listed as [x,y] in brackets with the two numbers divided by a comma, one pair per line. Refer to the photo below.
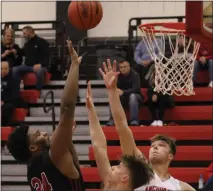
[185,186]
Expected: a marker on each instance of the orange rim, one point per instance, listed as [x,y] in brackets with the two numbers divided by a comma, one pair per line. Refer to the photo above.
[176,27]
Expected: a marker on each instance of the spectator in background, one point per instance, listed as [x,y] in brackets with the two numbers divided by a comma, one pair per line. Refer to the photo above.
[142,56]
[157,102]
[9,93]
[209,178]
[204,62]
[129,89]
[36,52]
[10,51]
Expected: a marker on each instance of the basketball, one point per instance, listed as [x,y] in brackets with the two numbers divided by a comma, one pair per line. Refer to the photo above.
[85,15]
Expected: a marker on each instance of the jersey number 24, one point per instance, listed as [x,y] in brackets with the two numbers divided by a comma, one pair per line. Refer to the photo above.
[41,185]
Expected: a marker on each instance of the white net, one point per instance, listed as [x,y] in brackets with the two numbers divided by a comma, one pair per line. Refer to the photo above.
[174,55]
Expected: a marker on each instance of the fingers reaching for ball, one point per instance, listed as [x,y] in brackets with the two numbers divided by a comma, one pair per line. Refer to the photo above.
[109,74]
[73,53]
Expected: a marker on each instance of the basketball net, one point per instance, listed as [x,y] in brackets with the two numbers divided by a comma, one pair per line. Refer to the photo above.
[174,65]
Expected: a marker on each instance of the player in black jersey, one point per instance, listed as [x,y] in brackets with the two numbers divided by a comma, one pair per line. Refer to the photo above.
[132,171]
[52,164]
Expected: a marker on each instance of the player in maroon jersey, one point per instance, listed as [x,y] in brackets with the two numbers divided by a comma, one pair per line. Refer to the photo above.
[52,164]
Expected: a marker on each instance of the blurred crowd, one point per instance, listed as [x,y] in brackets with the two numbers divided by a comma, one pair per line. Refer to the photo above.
[33,57]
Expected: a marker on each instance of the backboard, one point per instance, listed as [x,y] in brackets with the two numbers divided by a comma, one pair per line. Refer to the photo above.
[199,18]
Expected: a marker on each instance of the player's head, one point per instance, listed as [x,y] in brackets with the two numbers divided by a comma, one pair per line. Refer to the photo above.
[28,32]
[24,142]
[124,67]
[4,69]
[131,173]
[8,36]
[163,149]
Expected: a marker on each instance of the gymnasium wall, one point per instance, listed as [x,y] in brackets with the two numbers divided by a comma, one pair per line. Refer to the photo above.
[115,19]
[28,11]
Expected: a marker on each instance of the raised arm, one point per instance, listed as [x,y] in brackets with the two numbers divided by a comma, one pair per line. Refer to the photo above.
[73,149]
[98,139]
[127,141]
[62,136]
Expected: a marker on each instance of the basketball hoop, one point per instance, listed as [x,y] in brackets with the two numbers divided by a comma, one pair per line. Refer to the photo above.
[173,73]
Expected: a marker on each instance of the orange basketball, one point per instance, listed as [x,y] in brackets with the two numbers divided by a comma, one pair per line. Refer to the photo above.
[85,15]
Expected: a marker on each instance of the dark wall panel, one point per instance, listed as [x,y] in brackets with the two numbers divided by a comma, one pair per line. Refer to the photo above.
[61,15]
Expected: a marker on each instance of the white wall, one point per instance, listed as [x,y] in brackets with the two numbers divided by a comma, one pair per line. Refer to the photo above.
[115,14]
[28,11]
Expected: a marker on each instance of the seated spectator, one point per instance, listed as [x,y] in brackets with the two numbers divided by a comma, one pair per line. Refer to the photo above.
[204,62]
[9,93]
[143,59]
[129,89]
[157,102]
[36,52]
[10,51]
[209,178]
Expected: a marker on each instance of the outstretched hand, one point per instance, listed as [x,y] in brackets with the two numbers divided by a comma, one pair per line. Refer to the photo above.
[73,53]
[89,99]
[109,74]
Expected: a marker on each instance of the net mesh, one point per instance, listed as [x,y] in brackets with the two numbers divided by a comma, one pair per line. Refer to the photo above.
[174,55]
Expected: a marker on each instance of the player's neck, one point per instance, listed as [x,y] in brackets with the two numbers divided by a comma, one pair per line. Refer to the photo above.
[120,187]
[162,171]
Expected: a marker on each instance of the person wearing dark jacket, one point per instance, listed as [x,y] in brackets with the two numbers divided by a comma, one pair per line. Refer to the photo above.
[36,52]
[129,89]
[204,61]
[10,51]
[157,102]
[9,93]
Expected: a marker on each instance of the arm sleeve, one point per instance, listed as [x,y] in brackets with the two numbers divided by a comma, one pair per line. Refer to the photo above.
[45,54]
[19,58]
[138,53]
[135,85]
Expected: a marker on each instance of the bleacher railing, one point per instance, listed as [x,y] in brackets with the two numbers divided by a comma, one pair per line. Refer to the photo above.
[134,34]
[47,107]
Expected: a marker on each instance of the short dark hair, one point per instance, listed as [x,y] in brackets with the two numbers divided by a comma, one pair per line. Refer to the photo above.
[18,144]
[28,28]
[140,171]
[169,140]
[122,60]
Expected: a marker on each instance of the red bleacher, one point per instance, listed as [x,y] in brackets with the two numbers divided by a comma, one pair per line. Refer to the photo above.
[203,77]
[201,95]
[19,114]
[30,96]
[184,153]
[189,175]
[180,113]
[30,79]
[5,132]
[179,132]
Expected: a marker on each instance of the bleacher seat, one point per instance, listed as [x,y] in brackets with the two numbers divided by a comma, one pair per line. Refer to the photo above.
[180,113]
[198,133]
[184,153]
[203,77]
[201,94]
[19,114]
[30,96]
[30,79]
[5,132]
[189,175]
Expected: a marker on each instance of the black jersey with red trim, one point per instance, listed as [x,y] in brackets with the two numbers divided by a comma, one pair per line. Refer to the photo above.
[42,175]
